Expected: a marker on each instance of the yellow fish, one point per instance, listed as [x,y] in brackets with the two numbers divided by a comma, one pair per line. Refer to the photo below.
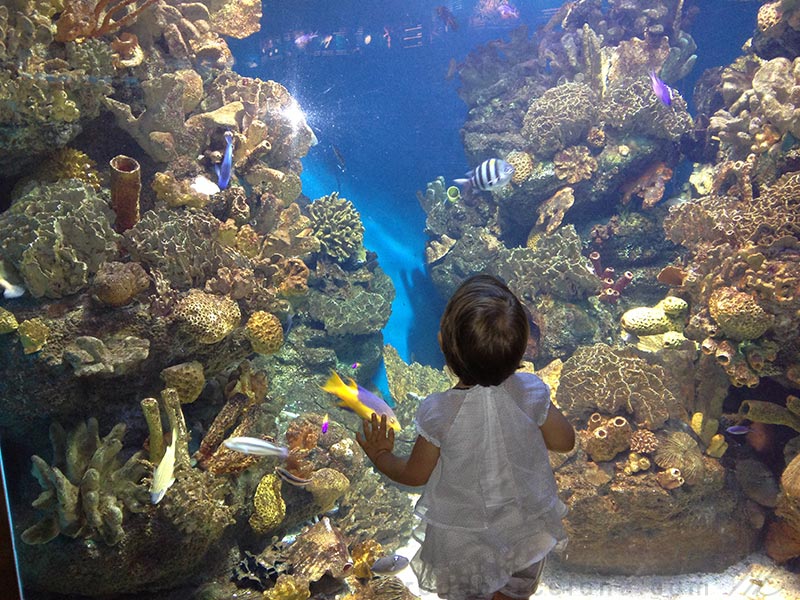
[362,402]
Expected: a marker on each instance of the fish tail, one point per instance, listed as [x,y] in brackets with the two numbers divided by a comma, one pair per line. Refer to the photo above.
[334,383]
[339,388]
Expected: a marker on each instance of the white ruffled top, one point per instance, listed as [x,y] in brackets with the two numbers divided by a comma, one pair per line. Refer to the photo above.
[491,505]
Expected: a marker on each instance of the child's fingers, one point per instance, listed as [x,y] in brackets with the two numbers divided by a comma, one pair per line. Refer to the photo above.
[391,436]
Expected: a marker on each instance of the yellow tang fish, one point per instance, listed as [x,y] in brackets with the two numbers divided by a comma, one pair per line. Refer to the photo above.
[362,402]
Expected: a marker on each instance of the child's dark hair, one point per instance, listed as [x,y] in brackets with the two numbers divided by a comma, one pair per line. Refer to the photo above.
[484,331]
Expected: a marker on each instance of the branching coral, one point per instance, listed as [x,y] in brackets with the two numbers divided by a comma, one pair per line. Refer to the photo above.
[87,488]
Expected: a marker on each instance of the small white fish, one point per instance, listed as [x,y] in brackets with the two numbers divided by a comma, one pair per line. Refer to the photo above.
[10,290]
[256,447]
[163,475]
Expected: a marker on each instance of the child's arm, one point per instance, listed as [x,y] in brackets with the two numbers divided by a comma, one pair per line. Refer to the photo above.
[558,433]
[378,445]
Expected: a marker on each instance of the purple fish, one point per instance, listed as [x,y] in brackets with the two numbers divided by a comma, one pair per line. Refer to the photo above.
[508,11]
[662,91]
[738,429]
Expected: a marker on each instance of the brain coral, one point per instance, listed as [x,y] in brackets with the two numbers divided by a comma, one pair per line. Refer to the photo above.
[265,332]
[337,225]
[738,314]
[559,117]
[56,236]
[208,318]
[601,379]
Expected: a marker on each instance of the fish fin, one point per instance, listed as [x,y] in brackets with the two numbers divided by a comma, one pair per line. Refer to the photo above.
[334,383]
[344,406]
[461,181]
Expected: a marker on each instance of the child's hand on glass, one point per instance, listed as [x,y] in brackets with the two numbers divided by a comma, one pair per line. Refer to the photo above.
[378,437]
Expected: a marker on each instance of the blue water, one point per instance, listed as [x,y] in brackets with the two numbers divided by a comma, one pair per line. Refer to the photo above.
[395,121]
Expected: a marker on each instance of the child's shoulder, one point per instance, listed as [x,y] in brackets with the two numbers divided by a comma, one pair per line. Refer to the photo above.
[526,383]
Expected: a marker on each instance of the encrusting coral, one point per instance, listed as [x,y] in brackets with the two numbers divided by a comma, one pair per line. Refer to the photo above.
[117,284]
[8,322]
[86,489]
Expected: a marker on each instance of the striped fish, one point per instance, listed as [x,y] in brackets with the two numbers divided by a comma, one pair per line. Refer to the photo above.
[490,175]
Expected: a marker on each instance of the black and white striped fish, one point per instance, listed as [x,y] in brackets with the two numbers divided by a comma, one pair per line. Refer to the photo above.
[490,175]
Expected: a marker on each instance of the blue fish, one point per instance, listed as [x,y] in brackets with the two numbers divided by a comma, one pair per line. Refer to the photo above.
[225,168]
[738,429]
[662,91]
[490,175]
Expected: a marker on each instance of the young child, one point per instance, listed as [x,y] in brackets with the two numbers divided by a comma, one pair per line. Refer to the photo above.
[490,504]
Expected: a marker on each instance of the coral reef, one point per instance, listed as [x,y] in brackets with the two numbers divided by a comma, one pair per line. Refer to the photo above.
[574,164]
[117,284]
[600,379]
[320,549]
[8,322]
[608,439]
[56,236]
[90,356]
[265,332]
[337,225]
[269,508]
[86,489]
[523,166]
[187,379]
[560,117]
[207,317]
[679,450]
